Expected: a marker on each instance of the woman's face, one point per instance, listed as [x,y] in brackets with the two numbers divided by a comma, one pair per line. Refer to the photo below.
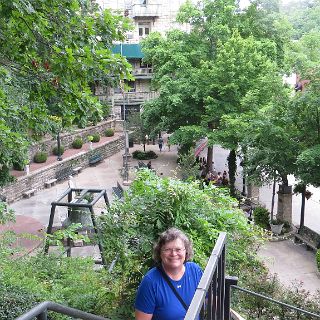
[173,254]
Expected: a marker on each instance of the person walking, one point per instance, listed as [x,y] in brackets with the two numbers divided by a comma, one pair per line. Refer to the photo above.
[160,143]
[166,291]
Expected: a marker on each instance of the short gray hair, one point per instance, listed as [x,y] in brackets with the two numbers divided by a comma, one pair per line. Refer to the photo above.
[168,236]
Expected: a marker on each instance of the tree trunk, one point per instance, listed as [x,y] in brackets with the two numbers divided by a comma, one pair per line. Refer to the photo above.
[209,158]
[232,164]
[303,204]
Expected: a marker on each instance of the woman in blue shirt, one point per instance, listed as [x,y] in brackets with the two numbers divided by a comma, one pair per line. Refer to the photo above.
[155,298]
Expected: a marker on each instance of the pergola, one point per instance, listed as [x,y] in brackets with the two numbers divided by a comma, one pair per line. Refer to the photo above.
[78,198]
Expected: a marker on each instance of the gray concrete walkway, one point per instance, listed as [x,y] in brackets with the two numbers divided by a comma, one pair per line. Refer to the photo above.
[102,176]
[292,263]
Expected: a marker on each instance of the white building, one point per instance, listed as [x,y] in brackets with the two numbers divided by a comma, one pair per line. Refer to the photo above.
[147,16]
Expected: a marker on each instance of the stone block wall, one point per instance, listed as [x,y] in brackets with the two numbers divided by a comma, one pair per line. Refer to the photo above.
[58,170]
[68,137]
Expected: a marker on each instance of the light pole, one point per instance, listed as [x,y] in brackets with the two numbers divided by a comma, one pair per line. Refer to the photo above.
[126,142]
[59,158]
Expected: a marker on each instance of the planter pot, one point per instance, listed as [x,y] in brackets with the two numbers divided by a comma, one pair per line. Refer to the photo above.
[276,228]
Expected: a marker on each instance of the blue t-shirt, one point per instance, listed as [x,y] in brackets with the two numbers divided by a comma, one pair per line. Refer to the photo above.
[155,297]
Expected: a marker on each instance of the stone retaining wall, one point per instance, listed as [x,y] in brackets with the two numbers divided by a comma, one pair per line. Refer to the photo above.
[67,138]
[58,170]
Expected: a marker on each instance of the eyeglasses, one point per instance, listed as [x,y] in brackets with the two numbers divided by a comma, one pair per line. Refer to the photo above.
[173,250]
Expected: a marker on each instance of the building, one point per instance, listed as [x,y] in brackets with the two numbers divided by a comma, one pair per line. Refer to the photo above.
[147,16]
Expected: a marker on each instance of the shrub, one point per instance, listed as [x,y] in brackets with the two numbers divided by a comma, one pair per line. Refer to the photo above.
[96,137]
[261,217]
[109,132]
[18,166]
[77,143]
[40,157]
[55,150]
[140,155]
[318,259]
[15,301]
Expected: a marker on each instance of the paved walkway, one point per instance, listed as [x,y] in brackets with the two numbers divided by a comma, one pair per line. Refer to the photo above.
[292,262]
[288,260]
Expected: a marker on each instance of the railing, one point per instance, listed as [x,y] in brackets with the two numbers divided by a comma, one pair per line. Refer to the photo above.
[40,312]
[286,308]
[150,10]
[212,297]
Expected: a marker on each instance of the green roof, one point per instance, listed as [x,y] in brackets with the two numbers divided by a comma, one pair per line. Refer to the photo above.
[129,50]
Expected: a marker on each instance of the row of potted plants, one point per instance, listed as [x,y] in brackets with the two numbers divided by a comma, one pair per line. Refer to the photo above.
[77,143]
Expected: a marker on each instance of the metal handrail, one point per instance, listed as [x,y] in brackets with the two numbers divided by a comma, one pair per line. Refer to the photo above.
[212,281]
[40,312]
[288,306]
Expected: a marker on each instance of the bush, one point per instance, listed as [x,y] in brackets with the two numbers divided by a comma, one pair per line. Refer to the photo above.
[261,217]
[18,166]
[77,143]
[40,157]
[96,137]
[109,132]
[15,301]
[318,259]
[55,150]
[140,155]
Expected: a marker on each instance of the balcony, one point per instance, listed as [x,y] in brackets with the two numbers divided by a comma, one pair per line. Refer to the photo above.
[143,73]
[145,11]
[133,98]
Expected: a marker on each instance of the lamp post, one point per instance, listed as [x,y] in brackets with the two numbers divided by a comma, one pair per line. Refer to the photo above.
[59,158]
[126,154]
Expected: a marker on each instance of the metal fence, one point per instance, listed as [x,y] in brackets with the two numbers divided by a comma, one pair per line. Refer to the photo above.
[40,312]
[287,311]
[212,299]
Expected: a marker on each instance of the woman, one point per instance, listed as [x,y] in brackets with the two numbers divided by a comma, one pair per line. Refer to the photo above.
[155,298]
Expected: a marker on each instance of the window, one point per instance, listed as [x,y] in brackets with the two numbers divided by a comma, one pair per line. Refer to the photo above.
[144,29]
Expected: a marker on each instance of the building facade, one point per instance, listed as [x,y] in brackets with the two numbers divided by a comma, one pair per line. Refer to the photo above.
[147,16]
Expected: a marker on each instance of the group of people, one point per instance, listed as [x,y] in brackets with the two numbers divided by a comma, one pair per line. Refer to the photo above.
[212,176]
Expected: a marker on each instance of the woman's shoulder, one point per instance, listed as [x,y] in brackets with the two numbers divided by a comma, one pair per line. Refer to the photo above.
[152,274]
[192,266]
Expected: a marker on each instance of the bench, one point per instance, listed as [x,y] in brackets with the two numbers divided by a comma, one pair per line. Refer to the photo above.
[63,173]
[76,170]
[141,164]
[307,236]
[118,190]
[95,159]
[29,193]
[50,183]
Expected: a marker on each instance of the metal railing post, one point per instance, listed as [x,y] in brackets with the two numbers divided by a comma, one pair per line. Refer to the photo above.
[229,281]
[43,315]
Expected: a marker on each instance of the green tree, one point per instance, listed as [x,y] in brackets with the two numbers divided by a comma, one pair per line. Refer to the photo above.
[226,65]
[50,53]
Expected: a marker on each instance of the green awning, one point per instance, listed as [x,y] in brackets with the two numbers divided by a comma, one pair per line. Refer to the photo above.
[129,50]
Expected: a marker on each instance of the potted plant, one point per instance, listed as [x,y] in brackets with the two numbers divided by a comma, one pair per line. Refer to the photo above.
[276,226]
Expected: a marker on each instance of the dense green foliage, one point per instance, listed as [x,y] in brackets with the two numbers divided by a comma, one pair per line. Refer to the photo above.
[72,282]
[224,70]
[141,155]
[261,217]
[152,205]
[318,259]
[50,55]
